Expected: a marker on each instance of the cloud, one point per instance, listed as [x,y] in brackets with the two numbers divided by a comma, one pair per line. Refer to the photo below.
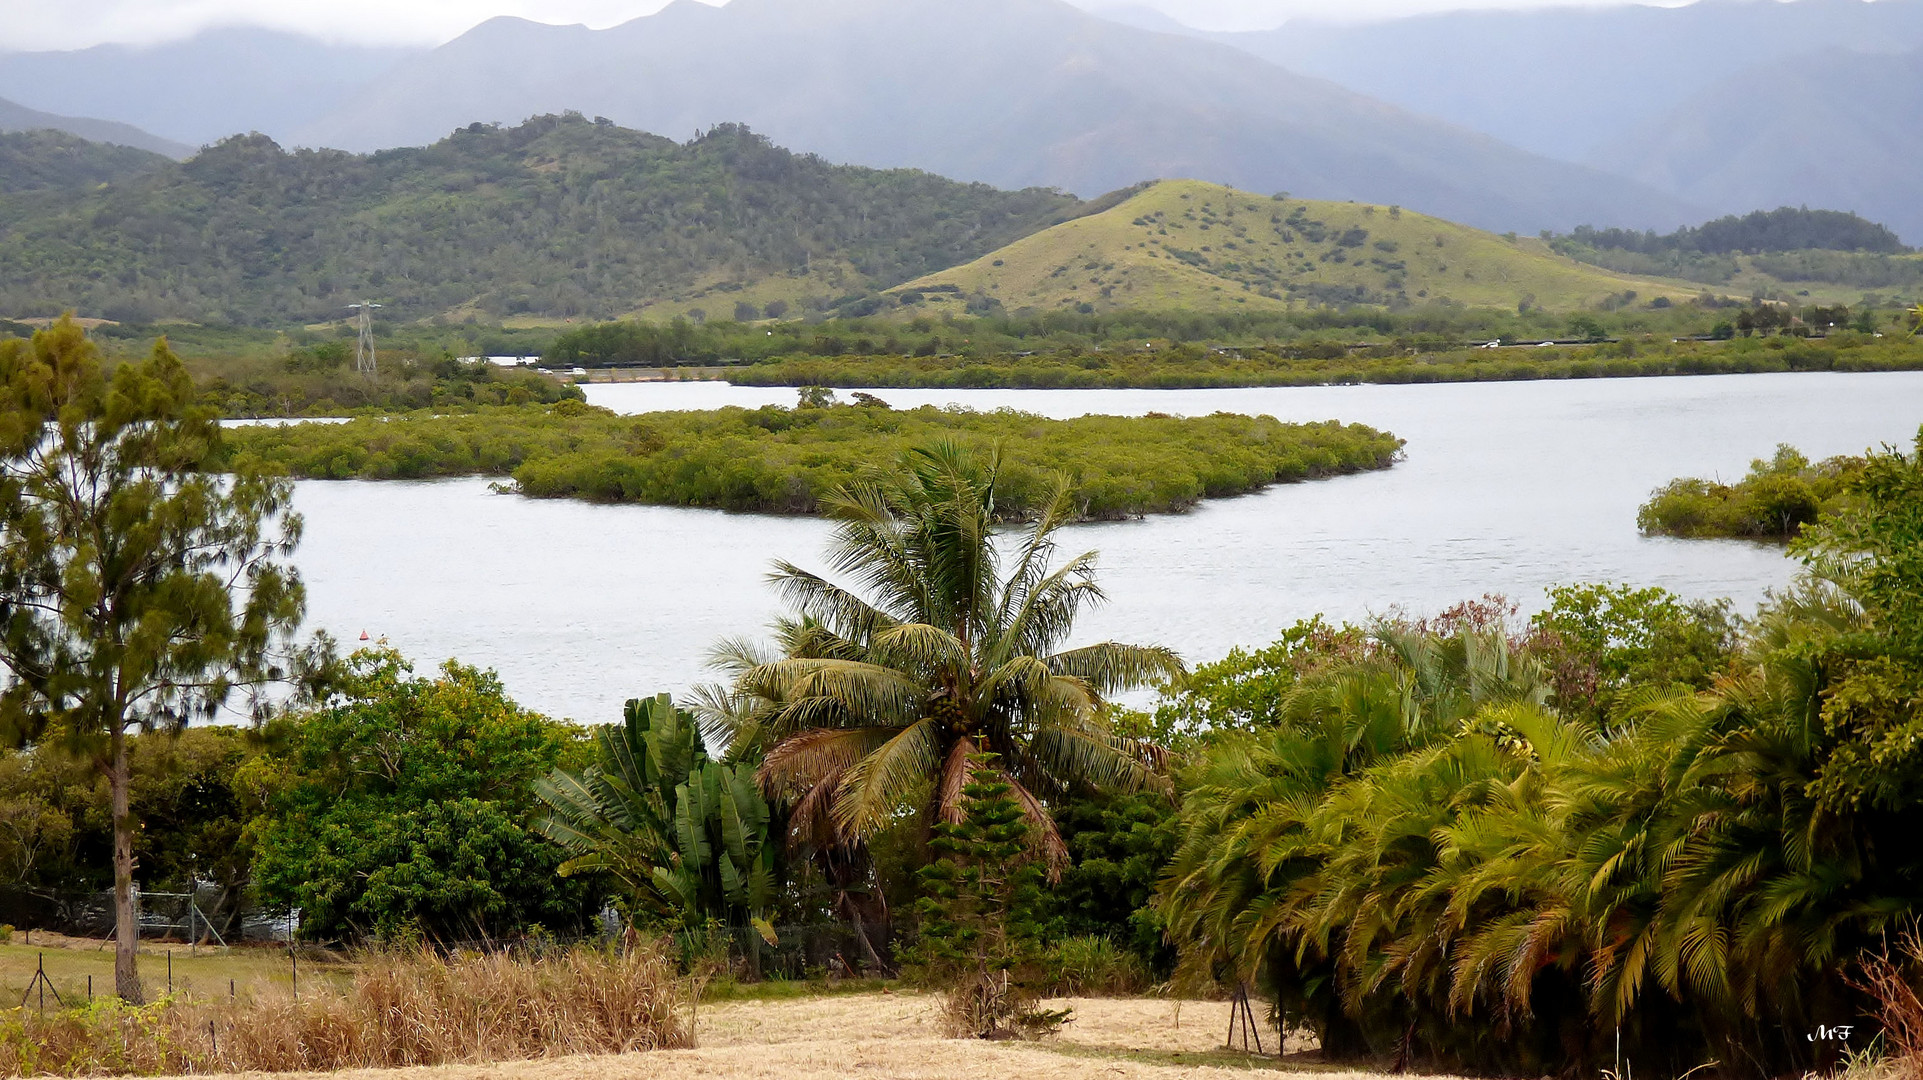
[72,24]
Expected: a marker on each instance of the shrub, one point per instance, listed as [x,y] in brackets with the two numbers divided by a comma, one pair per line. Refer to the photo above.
[1092,966]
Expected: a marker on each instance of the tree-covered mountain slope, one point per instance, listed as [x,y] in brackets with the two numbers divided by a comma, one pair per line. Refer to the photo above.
[557,217]
[1202,246]
[46,159]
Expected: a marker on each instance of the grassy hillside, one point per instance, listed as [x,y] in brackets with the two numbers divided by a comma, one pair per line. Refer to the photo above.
[1183,243]
[559,217]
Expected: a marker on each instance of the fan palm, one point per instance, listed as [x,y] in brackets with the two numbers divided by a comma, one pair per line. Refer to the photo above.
[945,645]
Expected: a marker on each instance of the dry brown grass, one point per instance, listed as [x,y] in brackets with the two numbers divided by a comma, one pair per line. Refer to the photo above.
[397,1011]
[1891,982]
[897,1036]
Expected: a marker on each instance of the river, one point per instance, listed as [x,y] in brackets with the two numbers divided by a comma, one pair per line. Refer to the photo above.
[1506,488]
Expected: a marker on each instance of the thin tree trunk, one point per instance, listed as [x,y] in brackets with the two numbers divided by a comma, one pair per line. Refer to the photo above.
[126,923]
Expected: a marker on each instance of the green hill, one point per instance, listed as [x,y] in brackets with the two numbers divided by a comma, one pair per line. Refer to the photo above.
[1183,243]
[558,218]
[47,159]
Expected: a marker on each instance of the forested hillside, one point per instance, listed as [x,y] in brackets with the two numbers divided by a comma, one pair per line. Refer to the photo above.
[48,159]
[1789,244]
[560,217]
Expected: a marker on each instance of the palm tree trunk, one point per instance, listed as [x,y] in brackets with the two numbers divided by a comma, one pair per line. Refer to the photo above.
[126,922]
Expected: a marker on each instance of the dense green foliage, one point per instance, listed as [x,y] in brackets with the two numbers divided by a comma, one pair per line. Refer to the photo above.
[45,159]
[321,381]
[786,460]
[975,942]
[1404,832]
[1118,843]
[405,807]
[57,835]
[1789,245]
[558,216]
[1784,229]
[138,587]
[1774,501]
[1072,333]
[689,838]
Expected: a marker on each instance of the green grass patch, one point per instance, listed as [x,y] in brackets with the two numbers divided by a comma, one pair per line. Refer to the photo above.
[783,460]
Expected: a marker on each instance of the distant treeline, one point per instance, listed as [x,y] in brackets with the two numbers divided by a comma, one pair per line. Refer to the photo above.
[782,460]
[1322,362]
[681,343]
[1761,231]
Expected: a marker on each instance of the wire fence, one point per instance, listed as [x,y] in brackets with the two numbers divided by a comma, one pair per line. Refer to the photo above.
[202,921]
[200,917]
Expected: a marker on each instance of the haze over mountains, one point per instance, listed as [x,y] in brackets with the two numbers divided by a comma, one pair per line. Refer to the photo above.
[1654,116]
[16,117]
[215,84]
[1011,92]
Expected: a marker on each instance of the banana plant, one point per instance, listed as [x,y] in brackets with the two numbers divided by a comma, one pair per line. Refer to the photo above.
[690,839]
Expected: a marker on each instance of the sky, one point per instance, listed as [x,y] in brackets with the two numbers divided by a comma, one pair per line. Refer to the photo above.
[66,24]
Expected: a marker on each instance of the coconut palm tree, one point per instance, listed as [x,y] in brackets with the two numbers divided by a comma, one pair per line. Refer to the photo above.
[946,643]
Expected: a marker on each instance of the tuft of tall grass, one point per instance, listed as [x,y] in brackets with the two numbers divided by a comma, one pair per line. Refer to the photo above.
[1093,966]
[408,1009]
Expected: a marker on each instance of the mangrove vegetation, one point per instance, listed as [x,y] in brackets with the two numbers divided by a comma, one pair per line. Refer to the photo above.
[785,460]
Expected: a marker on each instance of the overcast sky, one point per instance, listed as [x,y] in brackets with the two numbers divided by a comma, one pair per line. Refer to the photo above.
[58,24]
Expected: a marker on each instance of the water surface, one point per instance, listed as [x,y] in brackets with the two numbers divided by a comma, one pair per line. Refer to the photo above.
[1506,487]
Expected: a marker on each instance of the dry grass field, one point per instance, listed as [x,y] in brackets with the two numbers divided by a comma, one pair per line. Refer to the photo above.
[892,1035]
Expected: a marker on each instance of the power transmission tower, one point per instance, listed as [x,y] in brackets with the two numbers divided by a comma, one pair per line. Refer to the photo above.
[364,345]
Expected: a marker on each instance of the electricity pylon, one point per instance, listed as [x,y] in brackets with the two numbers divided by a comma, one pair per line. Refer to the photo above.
[364,345]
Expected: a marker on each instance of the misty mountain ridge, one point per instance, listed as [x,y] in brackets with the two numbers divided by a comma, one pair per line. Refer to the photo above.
[202,89]
[1020,92]
[1015,93]
[1838,130]
[1569,81]
[16,117]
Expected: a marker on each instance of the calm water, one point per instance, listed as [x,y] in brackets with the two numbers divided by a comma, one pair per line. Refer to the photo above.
[1507,487]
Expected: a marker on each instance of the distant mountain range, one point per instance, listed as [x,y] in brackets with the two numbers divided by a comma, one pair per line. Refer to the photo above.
[15,117]
[215,84]
[1010,92]
[1630,115]
[1570,81]
[1836,129]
